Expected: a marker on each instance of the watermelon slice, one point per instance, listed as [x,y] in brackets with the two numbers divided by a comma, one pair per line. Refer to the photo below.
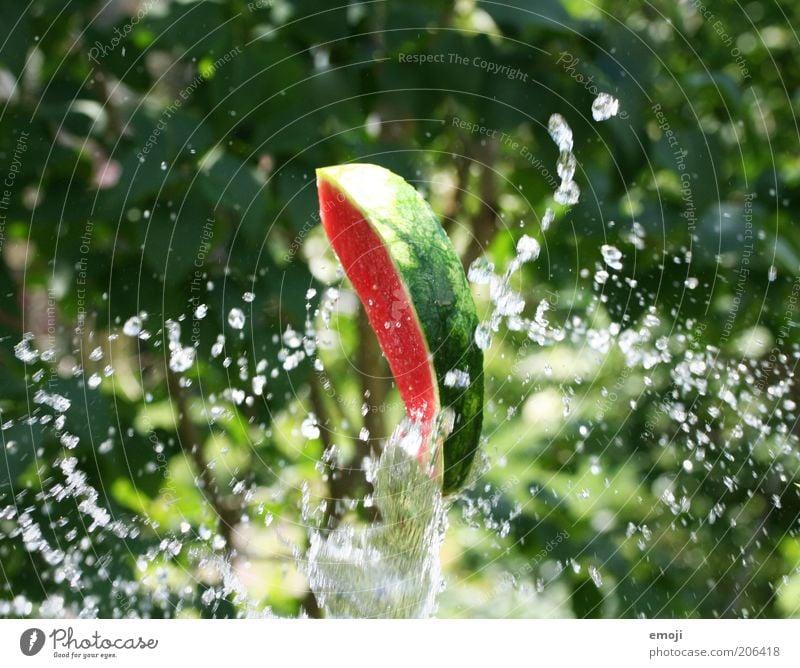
[412,285]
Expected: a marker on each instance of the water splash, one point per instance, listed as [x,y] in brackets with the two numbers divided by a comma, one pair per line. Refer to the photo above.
[389,568]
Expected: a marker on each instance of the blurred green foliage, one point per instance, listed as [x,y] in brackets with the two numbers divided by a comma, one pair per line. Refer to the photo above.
[169,146]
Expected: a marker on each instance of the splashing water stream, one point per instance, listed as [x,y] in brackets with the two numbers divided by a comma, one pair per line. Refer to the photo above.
[389,568]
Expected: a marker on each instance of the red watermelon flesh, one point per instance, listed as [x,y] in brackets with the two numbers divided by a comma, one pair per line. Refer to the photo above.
[370,269]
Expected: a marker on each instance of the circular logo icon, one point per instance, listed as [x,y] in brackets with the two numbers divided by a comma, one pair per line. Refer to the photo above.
[31,641]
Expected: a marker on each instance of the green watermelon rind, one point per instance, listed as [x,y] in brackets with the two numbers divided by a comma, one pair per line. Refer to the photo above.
[438,292]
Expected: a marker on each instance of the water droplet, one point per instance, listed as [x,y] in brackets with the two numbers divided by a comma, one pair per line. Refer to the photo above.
[528,249]
[604,107]
[181,359]
[560,132]
[547,219]
[456,378]
[309,427]
[596,577]
[566,165]
[568,193]
[236,318]
[23,351]
[611,256]
[132,326]
[259,382]
[483,336]
[481,271]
